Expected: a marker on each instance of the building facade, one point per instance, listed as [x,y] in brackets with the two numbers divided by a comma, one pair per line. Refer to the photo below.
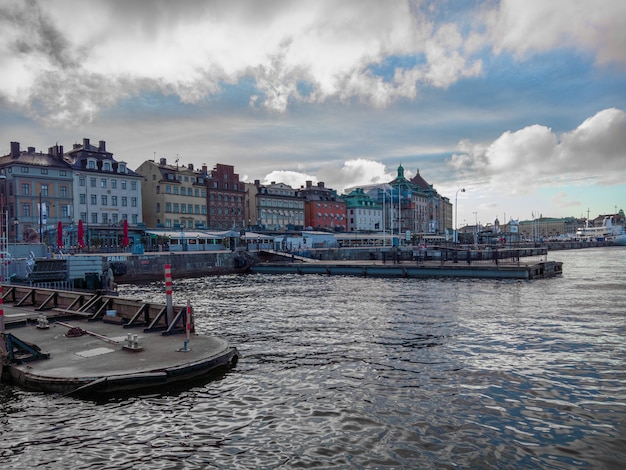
[174,196]
[363,214]
[226,198]
[278,207]
[323,209]
[106,192]
[36,194]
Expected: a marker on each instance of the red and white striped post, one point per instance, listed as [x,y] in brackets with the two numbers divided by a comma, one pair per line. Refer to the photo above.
[188,326]
[168,294]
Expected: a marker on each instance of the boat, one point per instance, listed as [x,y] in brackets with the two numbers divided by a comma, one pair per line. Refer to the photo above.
[607,232]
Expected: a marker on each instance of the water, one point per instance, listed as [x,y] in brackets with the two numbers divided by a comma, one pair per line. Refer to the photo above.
[345,372]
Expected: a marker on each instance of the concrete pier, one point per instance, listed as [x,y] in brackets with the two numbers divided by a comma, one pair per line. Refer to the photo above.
[84,350]
[429,269]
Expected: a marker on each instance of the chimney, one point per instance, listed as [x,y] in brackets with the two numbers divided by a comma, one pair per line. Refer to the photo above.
[190,166]
[15,149]
[257,182]
[31,149]
[309,184]
[85,144]
[102,146]
[163,161]
[320,184]
[205,168]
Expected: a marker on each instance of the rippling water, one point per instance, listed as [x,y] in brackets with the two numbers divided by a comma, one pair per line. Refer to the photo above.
[348,372]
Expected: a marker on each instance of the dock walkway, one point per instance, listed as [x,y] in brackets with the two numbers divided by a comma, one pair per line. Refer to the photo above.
[60,351]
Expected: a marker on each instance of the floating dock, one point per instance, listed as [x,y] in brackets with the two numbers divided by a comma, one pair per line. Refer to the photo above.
[428,269]
[86,344]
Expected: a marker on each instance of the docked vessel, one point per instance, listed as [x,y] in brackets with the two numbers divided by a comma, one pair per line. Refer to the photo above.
[606,232]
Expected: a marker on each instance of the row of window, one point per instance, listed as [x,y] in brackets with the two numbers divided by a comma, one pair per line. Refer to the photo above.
[182,208]
[176,190]
[104,200]
[107,182]
[106,218]
[282,203]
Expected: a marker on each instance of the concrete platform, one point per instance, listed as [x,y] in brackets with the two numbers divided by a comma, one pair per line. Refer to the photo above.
[429,269]
[102,359]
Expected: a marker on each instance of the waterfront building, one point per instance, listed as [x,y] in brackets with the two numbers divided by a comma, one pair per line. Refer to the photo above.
[411,206]
[323,209]
[226,198]
[276,206]
[106,192]
[36,193]
[175,197]
[363,213]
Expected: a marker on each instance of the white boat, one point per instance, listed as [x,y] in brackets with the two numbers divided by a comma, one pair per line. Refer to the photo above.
[607,232]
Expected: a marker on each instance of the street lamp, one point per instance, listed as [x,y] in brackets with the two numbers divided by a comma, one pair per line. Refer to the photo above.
[456,211]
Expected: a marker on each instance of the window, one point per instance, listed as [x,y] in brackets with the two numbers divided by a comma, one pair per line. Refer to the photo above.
[122,168]
[94,217]
[81,181]
[123,184]
[103,182]
[114,201]
[158,207]
[25,189]
[24,169]
[133,185]
[176,190]
[93,199]
[65,210]
[114,217]
[92,182]
[105,218]
[124,201]
[134,219]
[44,171]
[168,189]
[25,210]
[104,200]
[82,198]
[196,192]
[176,208]
[107,166]
[92,166]
[190,208]
[113,184]
[44,190]
[168,207]
[63,190]
[133,201]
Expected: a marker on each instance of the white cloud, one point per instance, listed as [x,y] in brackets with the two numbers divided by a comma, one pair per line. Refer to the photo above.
[193,48]
[534,156]
[599,28]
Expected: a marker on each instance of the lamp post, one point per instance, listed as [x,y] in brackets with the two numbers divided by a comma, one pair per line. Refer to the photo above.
[456,211]
[476,228]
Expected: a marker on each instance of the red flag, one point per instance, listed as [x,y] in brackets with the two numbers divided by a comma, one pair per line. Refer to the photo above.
[60,235]
[81,234]
[125,234]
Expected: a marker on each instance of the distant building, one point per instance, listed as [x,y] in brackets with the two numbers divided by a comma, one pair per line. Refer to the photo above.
[226,198]
[323,209]
[276,206]
[363,213]
[174,196]
[36,192]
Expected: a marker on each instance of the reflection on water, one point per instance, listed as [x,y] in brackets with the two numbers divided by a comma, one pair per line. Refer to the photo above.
[353,373]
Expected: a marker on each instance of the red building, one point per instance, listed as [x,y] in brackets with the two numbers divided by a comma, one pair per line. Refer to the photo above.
[323,209]
[226,198]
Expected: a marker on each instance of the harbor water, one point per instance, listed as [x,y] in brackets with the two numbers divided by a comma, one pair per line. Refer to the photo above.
[348,372]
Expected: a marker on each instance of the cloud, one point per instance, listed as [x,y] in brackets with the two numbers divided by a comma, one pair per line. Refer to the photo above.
[534,156]
[526,26]
[68,60]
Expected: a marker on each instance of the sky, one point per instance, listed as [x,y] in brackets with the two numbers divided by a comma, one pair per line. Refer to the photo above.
[520,103]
